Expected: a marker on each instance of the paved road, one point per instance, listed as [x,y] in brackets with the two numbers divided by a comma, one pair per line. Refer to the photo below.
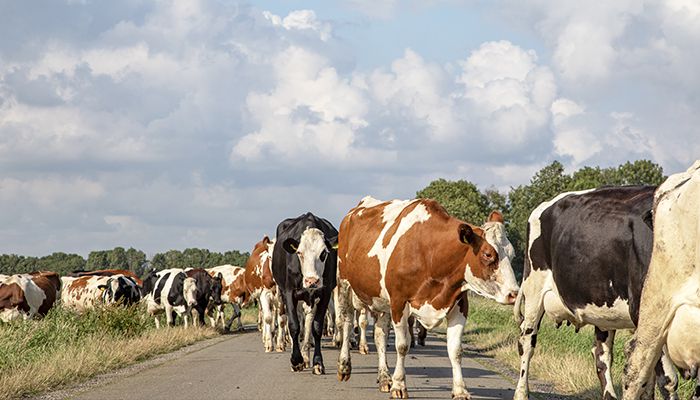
[236,367]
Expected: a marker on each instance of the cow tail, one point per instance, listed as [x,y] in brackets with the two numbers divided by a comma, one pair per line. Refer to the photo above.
[517,307]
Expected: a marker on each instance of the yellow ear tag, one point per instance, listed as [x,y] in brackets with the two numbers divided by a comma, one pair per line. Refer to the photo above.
[335,246]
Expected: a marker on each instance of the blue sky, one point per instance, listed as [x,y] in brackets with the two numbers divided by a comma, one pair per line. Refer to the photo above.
[203,123]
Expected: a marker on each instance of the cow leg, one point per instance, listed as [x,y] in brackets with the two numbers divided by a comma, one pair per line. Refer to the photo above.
[455,327]
[338,334]
[306,341]
[319,316]
[169,315]
[293,319]
[260,318]
[411,325]
[422,334]
[532,316]
[347,314]
[363,322]
[265,306]
[666,377]
[236,314]
[282,334]
[381,333]
[398,384]
[603,357]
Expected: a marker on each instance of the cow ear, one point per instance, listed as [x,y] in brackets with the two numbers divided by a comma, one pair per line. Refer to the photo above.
[495,216]
[648,219]
[219,276]
[290,245]
[266,240]
[466,234]
[332,242]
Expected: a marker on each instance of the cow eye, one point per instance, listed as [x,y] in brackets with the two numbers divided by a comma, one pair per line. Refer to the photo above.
[323,256]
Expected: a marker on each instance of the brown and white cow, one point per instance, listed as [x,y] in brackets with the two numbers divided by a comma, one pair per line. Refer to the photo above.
[669,311]
[232,285]
[85,292]
[405,258]
[28,295]
[261,285]
[110,272]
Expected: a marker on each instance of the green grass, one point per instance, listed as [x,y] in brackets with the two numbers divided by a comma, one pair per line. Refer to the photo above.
[65,347]
[562,356]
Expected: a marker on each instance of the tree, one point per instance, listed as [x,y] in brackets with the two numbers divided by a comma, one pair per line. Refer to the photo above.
[96,260]
[116,258]
[461,199]
[136,261]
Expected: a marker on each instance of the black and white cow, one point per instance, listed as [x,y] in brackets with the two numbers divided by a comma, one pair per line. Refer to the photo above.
[176,293]
[586,260]
[304,264]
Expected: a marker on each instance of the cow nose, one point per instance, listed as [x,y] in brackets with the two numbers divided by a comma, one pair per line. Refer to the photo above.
[311,282]
[510,299]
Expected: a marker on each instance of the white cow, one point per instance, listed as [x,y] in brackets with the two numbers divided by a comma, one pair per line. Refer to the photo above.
[670,306]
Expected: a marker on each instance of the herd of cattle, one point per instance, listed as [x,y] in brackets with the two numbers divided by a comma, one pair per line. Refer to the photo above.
[614,257]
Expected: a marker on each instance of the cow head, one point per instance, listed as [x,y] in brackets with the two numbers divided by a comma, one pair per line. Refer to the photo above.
[503,276]
[216,288]
[313,249]
[189,291]
[481,274]
[119,290]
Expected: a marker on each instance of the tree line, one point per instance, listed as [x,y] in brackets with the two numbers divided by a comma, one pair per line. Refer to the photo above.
[119,258]
[465,201]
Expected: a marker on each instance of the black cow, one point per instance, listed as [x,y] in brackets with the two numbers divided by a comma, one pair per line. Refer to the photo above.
[206,289]
[586,260]
[304,264]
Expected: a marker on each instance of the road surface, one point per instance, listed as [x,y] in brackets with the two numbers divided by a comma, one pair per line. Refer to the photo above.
[236,367]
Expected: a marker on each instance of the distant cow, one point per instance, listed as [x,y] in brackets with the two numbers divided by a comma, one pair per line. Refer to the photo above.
[304,264]
[110,272]
[587,258]
[206,290]
[85,292]
[405,258]
[670,303]
[28,295]
[231,283]
[164,292]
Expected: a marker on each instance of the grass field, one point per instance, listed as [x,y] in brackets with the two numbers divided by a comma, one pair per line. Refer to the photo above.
[561,357]
[64,348]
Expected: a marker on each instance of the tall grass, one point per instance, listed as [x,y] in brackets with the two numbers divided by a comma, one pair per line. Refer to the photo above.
[65,347]
[562,356]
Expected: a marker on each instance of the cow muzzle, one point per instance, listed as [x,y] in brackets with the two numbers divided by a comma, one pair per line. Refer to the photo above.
[510,297]
[311,283]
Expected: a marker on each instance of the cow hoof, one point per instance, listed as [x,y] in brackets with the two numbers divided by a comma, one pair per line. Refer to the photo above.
[280,349]
[421,342]
[461,396]
[319,370]
[268,349]
[384,383]
[307,364]
[344,372]
[399,393]
[364,349]
[297,367]
[520,395]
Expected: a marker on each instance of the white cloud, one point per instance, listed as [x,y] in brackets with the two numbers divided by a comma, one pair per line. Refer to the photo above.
[301,20]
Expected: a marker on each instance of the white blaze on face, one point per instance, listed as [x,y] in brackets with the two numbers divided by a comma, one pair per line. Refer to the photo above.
[506,284]
[189,288]
[312,253]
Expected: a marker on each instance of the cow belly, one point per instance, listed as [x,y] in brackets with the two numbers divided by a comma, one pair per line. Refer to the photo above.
[555,308]
[683,340]
[606,317]
[428,315]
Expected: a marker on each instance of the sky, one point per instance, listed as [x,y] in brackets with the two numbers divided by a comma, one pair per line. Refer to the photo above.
[173,124]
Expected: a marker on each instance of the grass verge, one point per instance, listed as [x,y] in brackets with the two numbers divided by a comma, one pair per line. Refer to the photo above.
[65,348]
[562,356]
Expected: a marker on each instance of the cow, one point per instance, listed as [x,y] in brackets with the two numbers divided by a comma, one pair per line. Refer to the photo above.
[587,256]
[109,272]
[304,265]
[410,257]
[260,284]
[164,292]
[669,311]
[25,296]
[231,284]
[85,292]
[200,289]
